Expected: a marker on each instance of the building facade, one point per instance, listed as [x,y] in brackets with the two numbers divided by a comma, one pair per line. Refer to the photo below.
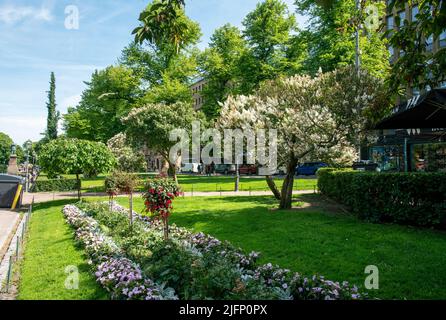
[411,149]
[196,89]
[433,45]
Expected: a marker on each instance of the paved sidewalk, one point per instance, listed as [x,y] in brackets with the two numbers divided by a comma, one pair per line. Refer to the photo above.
[8,223]
[46,197]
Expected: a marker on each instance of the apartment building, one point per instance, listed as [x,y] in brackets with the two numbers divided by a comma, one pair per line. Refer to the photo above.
[406,141]
[197,88]
[432,44]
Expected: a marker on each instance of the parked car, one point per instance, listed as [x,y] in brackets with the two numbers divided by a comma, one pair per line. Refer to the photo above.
[310,168]
[190,168]
[225,168]
[248,169]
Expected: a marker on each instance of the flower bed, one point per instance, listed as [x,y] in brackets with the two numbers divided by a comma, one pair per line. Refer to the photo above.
[199,266]
[121,277]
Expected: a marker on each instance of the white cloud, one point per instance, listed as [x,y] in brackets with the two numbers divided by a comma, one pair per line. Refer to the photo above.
[20,129]
[11,14]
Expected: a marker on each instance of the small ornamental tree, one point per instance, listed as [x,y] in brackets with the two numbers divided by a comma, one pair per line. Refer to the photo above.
[322,118]
[73,156]
[151,126]
[159,197]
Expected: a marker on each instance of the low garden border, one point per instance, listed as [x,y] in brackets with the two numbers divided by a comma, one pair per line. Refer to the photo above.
[255,281]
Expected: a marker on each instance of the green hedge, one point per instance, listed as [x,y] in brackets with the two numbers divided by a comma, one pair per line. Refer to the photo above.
[417,199]
[56,185]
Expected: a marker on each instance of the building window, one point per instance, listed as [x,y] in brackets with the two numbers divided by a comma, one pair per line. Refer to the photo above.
[429,157]
[442,39]
[390,23]
[430,43]
[402,15]
[391,52]
[414,13]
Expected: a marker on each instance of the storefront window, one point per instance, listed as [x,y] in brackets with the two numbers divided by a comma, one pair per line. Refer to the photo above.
[429,157]
[388,158]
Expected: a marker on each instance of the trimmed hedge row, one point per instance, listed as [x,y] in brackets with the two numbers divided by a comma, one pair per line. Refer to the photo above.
[417,199]
[60,185]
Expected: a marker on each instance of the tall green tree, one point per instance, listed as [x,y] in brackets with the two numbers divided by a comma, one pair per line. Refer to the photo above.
[165,65]
[161,22]
[270,32]
[5,150]
[220,64]
[110,95]
[53,115]
[331,36]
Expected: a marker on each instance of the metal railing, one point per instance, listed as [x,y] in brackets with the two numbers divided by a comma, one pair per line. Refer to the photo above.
[14,257]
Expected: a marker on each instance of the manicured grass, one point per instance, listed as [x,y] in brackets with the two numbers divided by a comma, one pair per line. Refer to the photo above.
[49,250]
[321,240]
[206,184]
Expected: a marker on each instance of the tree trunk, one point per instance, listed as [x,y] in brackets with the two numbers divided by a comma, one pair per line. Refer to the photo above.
[273,187]
[287,188]
[79,186]
[166,229]
[173,172]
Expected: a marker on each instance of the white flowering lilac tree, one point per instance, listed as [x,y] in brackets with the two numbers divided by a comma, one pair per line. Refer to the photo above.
[321,118]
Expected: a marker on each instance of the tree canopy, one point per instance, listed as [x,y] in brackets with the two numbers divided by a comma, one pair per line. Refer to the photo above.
[5,150]
[316,118]
[75,156]
[151,125]
[110,95]
[331,36]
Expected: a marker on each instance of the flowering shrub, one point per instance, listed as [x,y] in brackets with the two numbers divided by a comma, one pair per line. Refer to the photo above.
[125,281]
[118,275]
[218,270]
[158,200]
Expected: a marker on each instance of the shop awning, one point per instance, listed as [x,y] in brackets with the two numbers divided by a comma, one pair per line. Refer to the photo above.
[424,111]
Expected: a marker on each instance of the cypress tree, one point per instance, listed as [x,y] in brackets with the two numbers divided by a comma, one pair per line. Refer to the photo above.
[53,115]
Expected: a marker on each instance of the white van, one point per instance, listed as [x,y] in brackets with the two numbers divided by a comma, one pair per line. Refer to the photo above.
[189,167]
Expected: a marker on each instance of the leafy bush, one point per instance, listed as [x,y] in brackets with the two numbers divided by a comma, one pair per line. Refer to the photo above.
[56,185]
[417,199]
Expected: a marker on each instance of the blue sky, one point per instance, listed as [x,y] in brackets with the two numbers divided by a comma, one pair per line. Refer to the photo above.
[34,42]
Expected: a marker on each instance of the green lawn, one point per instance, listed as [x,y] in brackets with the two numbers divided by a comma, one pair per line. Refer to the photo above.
[318,240]
[206,184]
[315,239]
[49,250]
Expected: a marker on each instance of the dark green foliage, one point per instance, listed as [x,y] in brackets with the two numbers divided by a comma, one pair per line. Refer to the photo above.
[417,199]
[5,150]
[56,185]
[53,115]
